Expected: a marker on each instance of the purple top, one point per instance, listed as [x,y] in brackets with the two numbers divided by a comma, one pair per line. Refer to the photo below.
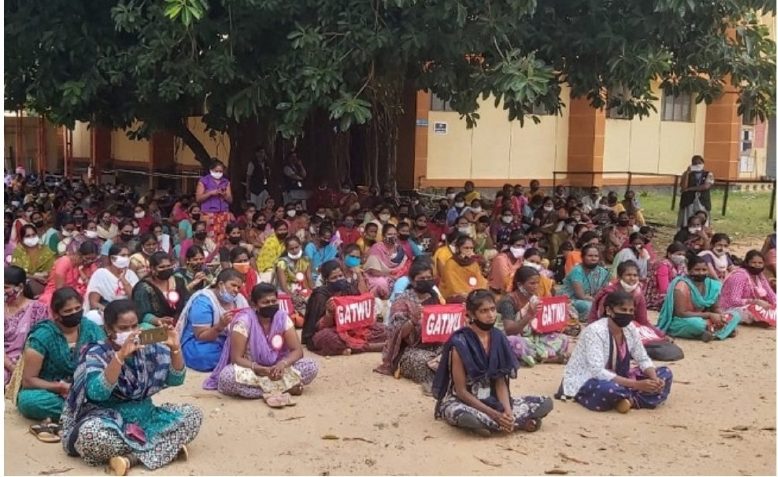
[214,204]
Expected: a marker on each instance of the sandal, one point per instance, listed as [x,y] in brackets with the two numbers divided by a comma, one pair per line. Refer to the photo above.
[119,465]
[42,433]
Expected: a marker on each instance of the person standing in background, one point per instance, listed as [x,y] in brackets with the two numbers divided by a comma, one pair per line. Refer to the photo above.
[257,178]
[695,191]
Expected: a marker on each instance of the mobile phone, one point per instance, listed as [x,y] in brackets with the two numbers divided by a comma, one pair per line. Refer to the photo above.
[153,335]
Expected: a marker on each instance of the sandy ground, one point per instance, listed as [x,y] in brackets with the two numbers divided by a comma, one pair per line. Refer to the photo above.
[720,419]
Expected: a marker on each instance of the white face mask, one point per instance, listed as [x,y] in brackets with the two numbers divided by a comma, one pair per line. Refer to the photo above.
[548,208]
[507,219]
[384,217]
[291,213]
[140,215]
[121,337]
[695,230]
[31,241]
[217,175]
[697,168]
[459,205]
[464,230]
[518,252]
[120,262]
[627,287]
[321,216]
[91,234]
[65,233]
[296,256]
[136,231]
[533,265]
[477,210]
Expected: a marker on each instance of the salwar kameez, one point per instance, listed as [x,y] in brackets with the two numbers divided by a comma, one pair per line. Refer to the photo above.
[694,327]
[603,395]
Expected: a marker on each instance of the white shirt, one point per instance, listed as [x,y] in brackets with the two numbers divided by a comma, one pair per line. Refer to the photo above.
[590,356]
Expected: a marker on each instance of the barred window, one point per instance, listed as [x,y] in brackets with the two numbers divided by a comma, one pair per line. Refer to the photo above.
[677,107]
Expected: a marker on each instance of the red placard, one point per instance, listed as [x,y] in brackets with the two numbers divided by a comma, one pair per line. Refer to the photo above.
[354,312]
[285,303]
[551,315]
[762,315]
[439,322]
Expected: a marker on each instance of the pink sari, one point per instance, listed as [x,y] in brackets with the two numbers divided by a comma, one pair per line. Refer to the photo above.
[740,288]
[386,271]
[18,326]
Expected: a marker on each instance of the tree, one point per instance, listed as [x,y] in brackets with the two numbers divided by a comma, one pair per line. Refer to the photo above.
[337,70]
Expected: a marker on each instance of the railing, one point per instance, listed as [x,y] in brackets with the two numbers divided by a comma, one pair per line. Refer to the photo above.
[725,183]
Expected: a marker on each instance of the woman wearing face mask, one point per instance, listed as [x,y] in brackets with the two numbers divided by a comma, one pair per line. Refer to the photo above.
[456,210]
[599,376]
[506,263]
[233,239]
[21,313]
[34,258]
[160,296]
[462,273]
[126,238]
[517,310]
[263,358]
[163,239]
[112,282]
[320,250]
[106,228]
[214,194]
[186,226]
[662,273]
[696,183]
[319,329]
[719,261]
[635,253]
[352,268]
[691,309]
[139,261]
[404,354]
[109,417]
[293,274]
[747,286]
[586,280]
[504,227]
[205,318]
[50,356]
[693,233]
[73,270]
[143,218]
[200,239]
[618,236]
[194,275]
[240,258]
[472,382]
[274,247]
[386,262]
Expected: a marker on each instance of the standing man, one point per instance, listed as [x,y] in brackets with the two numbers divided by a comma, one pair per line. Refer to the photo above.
[294,175]
[257,177]
[695,191]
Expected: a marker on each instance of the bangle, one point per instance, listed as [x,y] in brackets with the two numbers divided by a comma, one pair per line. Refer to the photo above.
[175,351]
[118,359]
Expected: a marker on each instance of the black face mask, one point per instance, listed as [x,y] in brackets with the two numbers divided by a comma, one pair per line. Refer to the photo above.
[753,270]
[424,286]
[72,320]
[282,236]
[268,311]
[698,278]
[200,235]
[404,236]
[590,266]
[623,223]
[38,224]
[165,274]
[338,286]
[234,240]
[195,217]
[127,237]
[622,319]
[483,326]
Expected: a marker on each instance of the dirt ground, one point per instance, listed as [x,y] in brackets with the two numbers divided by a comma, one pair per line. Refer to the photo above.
[719,420]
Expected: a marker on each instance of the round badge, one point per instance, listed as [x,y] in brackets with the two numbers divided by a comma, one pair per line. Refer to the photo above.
[277,342]
[8,259]
[472,281]
[299,277]
[172,296]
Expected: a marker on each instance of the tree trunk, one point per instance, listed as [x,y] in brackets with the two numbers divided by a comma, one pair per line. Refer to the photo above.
[200,152]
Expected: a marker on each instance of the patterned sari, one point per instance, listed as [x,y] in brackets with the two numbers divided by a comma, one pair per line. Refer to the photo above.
[741,287]
[17,326]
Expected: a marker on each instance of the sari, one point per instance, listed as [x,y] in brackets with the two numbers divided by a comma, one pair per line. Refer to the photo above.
[298,291]
[17,327]
[102,420]
[456,278]
[482,370]
[151,302]
[59,363]
[720,264]
[694,327]
[741,287]
[75,277]
[107,285]
[660,274]
[503,268]
[389,264]
[271,251]
[32,264]
[233,380]
[407,354]
[592,282]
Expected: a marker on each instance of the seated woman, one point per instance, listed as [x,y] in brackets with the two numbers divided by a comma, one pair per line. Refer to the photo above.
[21,314]
[33,257]
[768,250]
[195,275]
[746,286]
[72,270]
[240,258]
[205,318]
[404,354]
[386,262]
[505,264]
[51,355]
[635,253]
[692,233]
[662,272]
[472,381]
[585,280]
[112,282]
[110,416]
[533,258]
[352,268]
[139,261]
[517,310]
[617,237]
[691,309]
[319,329]
[262,358]
[599,376]
[574,258]
[718,259]
[160,297]
[294,275]
[462,273]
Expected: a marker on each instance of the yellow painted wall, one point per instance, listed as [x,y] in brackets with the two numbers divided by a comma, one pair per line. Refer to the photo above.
[217,146]
[497,148]
[82,140]
[126,149]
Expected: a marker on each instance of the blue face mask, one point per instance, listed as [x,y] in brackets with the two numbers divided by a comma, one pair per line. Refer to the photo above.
[227,297]
[352,261]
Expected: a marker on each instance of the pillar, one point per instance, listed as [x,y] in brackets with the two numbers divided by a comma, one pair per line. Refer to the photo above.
[586,143]
[722,136]
[421,139]
[161,156]
[101,151]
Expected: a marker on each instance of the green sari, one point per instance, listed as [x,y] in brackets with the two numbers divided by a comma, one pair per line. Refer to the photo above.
[59,364]
[694,327]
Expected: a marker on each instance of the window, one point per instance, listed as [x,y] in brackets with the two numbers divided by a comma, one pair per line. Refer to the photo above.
[618,92]
[677,107]
[437,104]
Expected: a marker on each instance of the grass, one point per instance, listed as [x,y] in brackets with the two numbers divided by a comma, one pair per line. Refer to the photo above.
[747,218]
